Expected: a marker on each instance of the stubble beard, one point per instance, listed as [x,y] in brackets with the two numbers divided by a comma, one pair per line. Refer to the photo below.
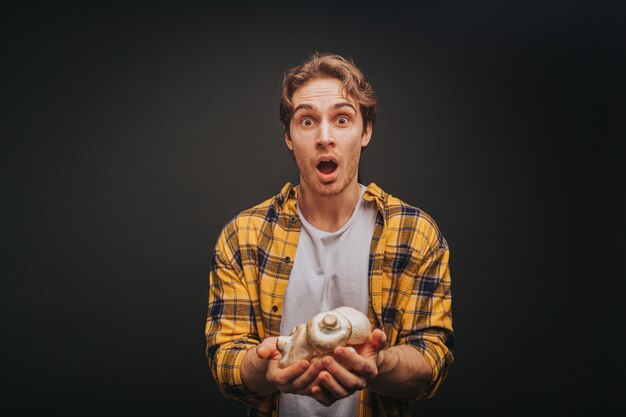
[309,177]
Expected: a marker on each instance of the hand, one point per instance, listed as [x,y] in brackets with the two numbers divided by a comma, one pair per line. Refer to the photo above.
[296,378]
[348,370]
[255,364]
[262,374]
[267,349]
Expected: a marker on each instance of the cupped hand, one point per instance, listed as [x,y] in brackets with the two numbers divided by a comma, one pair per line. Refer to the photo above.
[350,369]
[296,378]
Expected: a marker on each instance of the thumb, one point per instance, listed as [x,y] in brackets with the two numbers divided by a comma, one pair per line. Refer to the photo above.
[378,339]
[267,348]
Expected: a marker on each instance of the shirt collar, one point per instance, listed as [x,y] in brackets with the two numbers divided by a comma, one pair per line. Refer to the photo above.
[372,193]
[288,192]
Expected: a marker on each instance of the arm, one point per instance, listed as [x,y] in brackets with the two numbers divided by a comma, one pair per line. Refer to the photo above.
[427,321]
[230,329]
[400,371]
[244,369]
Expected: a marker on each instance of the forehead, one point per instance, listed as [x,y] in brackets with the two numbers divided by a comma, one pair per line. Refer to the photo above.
[320,91]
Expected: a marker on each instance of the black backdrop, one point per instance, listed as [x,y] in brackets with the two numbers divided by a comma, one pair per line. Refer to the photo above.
[132,132]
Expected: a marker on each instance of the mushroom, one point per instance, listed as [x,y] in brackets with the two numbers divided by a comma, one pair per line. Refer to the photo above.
[294,347]
[323,333]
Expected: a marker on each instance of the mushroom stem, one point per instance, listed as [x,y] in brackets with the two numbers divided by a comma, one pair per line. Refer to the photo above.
[329,322]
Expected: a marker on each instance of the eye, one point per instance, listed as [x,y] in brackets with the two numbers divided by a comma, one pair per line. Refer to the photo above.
[306,122]
[343,120]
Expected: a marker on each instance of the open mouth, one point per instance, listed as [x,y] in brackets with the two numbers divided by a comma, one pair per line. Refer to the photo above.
[327,167]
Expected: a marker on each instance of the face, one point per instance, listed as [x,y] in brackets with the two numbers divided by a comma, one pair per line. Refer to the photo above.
[326,135]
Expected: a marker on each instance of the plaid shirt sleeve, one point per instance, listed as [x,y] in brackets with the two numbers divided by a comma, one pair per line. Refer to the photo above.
[230,327]
[427,319]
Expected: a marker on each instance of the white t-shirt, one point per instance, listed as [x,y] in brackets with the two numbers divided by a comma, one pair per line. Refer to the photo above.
[330,270]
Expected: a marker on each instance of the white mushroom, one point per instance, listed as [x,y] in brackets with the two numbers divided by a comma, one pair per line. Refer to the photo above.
[294,347]
[328,330]
[323,333]
[361,327]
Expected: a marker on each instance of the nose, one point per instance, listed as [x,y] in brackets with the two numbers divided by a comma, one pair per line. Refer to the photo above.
[325,136]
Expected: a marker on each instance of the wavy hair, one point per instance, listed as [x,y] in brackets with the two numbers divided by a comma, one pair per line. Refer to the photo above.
[327,65]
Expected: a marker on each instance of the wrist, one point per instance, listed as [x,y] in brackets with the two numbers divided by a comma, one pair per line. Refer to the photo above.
[383,361]
[253,372]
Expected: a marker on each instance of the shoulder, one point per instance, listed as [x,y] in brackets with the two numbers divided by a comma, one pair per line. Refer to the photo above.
[259,216]
[401,213]
[410,225]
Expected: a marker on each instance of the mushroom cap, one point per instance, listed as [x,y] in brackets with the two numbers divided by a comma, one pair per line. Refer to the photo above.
[361,326]
[327,330]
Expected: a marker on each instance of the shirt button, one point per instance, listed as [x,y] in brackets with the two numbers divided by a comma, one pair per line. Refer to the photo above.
[274,309]
[287,259]
[293,219]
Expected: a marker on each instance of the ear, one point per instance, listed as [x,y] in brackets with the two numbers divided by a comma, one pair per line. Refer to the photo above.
[288,141]
[367,135]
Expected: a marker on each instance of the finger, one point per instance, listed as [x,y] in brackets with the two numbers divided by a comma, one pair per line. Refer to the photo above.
[350,380]
[267,348]
[302,384]
[354,362]
[284,376]
[263,351]
[378,339]
[374,344]
[322,396]
[328,381]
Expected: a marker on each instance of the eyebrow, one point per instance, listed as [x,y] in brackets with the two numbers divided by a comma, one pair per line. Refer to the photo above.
[304,106]
[345,104]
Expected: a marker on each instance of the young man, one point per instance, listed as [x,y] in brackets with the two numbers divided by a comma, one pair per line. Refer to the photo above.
[326,243]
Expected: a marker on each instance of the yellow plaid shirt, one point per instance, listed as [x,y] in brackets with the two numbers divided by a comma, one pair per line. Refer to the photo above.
[409,282]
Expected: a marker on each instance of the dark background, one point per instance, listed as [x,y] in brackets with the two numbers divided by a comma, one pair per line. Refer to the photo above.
[132,132]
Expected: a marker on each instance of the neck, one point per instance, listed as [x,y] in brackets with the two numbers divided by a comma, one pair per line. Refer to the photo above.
[328,212]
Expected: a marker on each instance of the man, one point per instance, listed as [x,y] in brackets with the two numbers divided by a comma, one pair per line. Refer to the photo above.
[326,243]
